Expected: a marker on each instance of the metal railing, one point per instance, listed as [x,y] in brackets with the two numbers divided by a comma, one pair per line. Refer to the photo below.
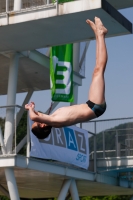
[21,138]
[109,138]
[18,5]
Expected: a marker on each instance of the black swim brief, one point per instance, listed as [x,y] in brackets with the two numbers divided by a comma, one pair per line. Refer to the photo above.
[98,109]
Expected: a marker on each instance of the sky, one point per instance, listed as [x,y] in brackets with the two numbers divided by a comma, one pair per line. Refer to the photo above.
[118,78]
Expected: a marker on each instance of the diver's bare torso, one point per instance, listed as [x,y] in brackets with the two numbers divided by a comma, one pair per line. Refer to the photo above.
[70,115]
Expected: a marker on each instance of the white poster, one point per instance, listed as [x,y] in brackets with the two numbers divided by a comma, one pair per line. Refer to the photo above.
[67,144]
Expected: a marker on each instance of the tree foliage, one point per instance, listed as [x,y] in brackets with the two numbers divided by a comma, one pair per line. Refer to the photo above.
[124,197]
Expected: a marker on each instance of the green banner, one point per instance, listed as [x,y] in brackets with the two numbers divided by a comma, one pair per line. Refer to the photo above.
[61,73]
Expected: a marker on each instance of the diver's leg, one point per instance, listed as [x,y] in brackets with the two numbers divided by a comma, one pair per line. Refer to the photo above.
[97,88]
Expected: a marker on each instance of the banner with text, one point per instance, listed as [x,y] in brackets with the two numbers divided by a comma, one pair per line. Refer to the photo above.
[61,73]
[68,144]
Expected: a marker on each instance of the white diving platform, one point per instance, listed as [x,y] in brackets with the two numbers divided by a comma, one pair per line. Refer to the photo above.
[56,25]
[38,178]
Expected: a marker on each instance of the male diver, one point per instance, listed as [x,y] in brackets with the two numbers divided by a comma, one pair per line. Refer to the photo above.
[94,107]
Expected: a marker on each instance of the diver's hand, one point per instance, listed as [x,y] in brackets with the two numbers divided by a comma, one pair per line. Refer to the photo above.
[29,106]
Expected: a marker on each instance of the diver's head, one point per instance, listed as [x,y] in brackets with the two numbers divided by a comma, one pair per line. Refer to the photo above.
[41,130]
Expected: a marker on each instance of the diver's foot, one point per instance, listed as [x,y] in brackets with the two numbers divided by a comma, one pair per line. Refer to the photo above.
[92,25]
[100,29]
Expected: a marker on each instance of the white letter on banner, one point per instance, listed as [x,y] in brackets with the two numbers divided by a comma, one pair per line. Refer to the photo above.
[55,61]
[58,135]
[67,78]
[71,140]
[81,144]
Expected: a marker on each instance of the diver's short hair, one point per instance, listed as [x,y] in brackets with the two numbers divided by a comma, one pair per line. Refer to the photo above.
[41,132]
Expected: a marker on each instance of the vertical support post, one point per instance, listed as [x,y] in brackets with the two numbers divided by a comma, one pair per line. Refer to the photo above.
[9,123]
[28,137]
[119,149]
[95,149]
[116,140]
[11,99]
[74,191]
[131,198]
[7,10]
[64,190]
[103,144]
[17,5]
[128,145]
[7,6]
[11,182]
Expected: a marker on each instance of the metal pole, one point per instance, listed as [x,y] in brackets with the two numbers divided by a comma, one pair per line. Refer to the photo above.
[116,139]
[74,191]
[11,182]
[17,5]
[103,145]
[9,123]
[11,99]
[27,98]
[64,190]
[131,198]
[95,159]
[7,6]
[28,137]
[119,149]
[53,107]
